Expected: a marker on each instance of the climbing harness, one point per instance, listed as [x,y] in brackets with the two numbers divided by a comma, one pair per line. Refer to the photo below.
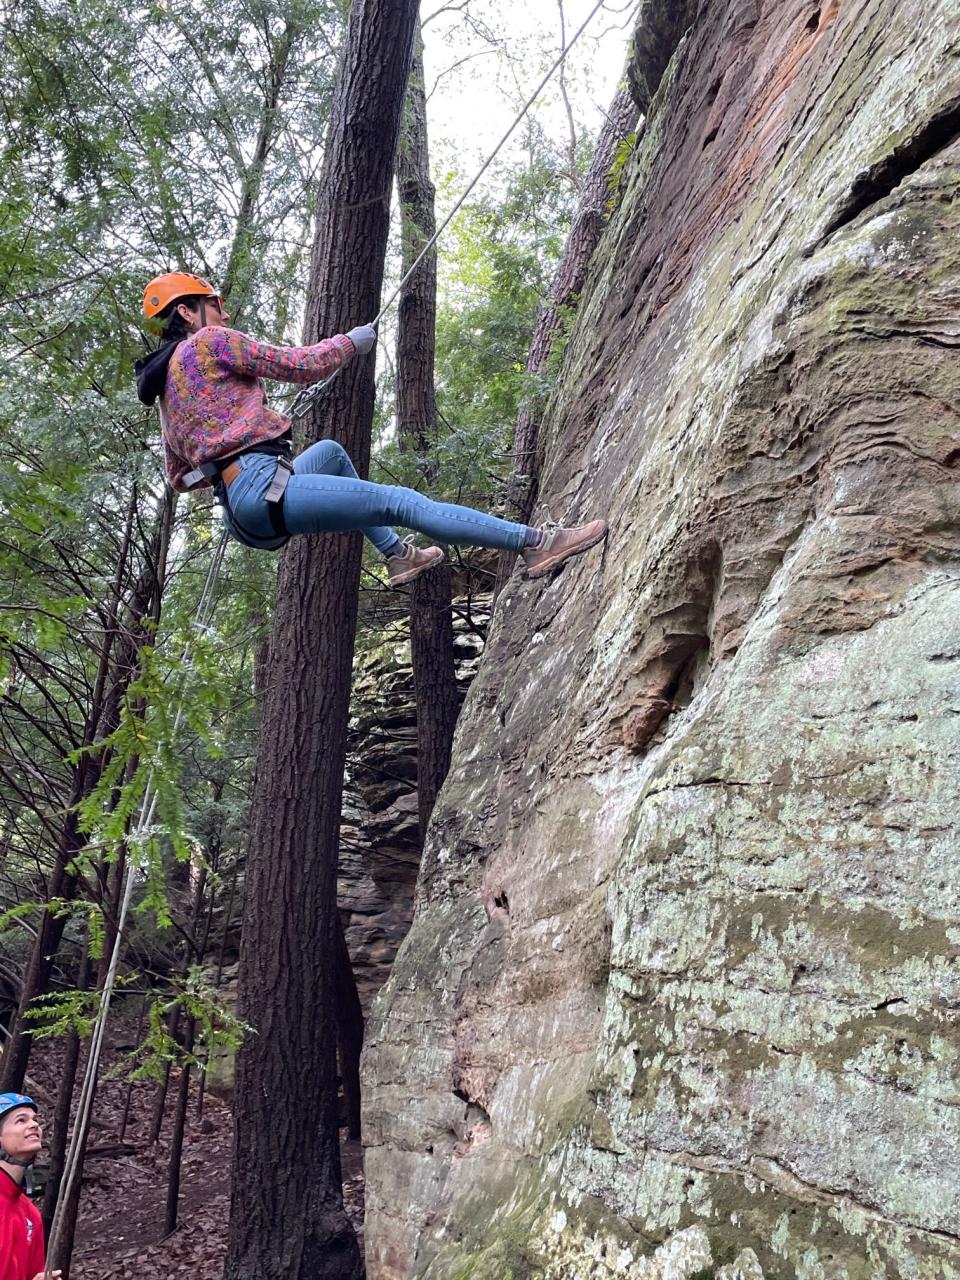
[274,498]
[300,406]
[218,473]
[222,475]
[305,399]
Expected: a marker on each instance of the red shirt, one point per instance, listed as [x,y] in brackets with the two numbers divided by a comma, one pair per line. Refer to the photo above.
[21,1233]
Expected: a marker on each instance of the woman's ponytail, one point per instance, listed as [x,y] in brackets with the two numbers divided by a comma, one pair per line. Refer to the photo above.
[175,328]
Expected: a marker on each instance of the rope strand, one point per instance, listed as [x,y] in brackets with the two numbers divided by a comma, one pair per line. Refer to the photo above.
[305,399]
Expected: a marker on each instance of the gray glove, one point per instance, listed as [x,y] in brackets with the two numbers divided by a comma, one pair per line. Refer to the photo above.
[364,338]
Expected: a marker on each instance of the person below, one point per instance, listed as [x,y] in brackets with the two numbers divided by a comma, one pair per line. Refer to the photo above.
[21,1227]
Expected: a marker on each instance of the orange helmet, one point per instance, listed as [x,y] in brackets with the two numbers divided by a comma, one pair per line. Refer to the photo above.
[167,288]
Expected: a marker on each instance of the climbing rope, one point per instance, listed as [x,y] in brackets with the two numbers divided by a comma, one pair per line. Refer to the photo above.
[300,406]
[148,807]
[305,399]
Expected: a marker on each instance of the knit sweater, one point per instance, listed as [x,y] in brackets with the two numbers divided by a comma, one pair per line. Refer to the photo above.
[214,403]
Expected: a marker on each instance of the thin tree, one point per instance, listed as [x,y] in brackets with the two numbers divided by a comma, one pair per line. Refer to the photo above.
[287,1215]
[119,664]
[171,1211]
[61,1117]
[431,617]
[196,941]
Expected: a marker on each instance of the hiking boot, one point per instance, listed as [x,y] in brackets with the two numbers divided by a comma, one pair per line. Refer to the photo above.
[411,562]
[559,544]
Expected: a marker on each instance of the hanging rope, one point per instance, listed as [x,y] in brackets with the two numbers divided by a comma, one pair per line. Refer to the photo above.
[201,620]
[148,807]
[305,399]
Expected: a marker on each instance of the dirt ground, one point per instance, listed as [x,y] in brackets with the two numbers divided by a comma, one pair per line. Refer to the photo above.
[125,1180]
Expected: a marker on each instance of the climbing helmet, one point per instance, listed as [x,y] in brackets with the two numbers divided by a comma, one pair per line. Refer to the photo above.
[163,290]
[10,1102]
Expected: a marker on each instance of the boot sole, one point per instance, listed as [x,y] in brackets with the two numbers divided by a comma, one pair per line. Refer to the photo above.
[549,565]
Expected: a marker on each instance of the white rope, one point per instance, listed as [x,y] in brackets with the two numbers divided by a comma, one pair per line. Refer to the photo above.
[148,807]
[305,399]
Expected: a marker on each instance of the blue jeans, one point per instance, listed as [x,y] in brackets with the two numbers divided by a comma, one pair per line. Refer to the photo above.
[325,495]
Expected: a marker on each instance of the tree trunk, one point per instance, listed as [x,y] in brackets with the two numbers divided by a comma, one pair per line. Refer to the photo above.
[244,260]
[163,1084]
[197,943]
[287,1216]
[36,980]
[68,1229]
[128,1093]
[431,621]
[417,309]
[218,978]
[176,1141]
[61,1115]
[435,684]
[194,955]
[593,210]
[68,1226]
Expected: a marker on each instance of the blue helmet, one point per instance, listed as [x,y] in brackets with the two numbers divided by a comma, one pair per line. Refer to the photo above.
[10,1102]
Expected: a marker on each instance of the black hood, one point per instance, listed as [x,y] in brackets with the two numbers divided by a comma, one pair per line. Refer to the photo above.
[152,372]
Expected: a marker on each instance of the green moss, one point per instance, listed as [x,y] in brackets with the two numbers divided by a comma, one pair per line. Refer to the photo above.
[489,1239]
[505,1258]
[615,176]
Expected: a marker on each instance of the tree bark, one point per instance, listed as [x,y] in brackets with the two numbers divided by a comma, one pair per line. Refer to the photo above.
[435,685]
[176,1140]
[431,621]
[287,1216]
[593,211]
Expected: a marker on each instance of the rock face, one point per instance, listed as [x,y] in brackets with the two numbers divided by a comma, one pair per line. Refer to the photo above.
[681,990]
[379,832]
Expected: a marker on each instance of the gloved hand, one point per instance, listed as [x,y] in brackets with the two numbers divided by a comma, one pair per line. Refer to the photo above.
[364,338]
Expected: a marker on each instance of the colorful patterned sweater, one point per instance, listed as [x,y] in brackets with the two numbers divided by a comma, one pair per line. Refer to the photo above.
[214,403]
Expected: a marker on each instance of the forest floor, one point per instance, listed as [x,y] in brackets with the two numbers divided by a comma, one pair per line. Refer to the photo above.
[125,1177]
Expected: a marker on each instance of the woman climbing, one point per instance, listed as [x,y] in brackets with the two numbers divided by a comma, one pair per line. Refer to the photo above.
[217,429]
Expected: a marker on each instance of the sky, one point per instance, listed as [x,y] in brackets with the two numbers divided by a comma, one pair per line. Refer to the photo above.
[483,58]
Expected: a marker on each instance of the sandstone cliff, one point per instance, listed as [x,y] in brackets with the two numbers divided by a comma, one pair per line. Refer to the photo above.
[380,831]
[680,993]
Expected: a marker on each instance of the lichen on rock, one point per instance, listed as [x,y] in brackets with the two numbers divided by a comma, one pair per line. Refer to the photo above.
[687,937]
